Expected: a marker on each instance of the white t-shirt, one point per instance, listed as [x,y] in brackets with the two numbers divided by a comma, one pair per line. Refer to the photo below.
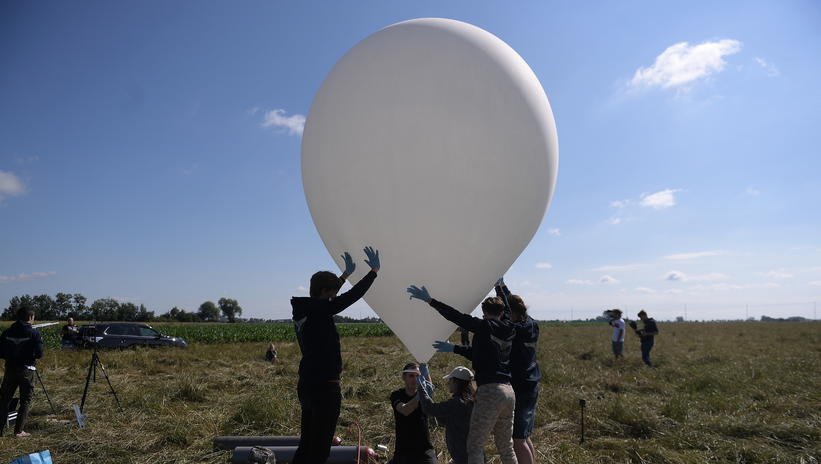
[618,330]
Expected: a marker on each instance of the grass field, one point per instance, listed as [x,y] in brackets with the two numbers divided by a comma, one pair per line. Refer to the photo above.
[722,392]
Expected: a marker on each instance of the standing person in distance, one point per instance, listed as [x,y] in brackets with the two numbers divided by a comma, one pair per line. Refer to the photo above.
[20,345]
[413,444]
[495,400]
[69,334]
[617,340]
[646,332]
[454,413]
[320,395]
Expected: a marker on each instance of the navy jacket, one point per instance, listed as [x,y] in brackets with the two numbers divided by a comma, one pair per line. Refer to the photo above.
[523,365]
[492,343]
[317,336]
[20,345]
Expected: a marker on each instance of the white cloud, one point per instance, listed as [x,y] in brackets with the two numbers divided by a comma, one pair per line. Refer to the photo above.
[555,232]
[607,280]
[22,277]
[778,274]
[645,290]
[752,192]
[660,200]
[693,255]
[614,221]
[676,276]
[682,64]
[815,283]
[10,185]
[544,265]
[619,204]
[770,68]
[276,119]
[578,282]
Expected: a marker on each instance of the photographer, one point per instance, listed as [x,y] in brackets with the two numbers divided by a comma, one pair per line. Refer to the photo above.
[647,332]
[20,346]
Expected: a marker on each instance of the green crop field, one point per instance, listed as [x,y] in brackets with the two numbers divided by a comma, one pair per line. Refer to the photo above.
[745,392]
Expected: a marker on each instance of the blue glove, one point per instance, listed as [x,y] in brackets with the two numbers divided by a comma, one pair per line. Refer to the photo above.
[350,266]
[373,258]
[500,282]
[443,347]
[423,369]
[419,293]
[423,384]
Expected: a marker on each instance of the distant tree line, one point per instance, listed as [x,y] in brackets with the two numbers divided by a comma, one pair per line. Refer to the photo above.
[65,305]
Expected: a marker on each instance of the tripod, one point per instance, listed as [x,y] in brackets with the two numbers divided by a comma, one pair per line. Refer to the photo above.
[43,386]
[92,373]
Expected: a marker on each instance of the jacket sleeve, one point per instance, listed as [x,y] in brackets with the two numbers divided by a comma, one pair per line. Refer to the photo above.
[38,345]
[343,301]
[431,409]
[466,351]
[503,293]
[461,319]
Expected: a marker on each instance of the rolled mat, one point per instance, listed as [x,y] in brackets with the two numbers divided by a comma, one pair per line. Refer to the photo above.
[285,454]
[230,442]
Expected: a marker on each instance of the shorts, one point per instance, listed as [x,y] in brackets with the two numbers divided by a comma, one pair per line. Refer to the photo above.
[618,348]
[524,414]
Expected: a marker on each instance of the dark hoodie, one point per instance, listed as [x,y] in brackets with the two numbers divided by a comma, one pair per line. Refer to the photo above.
[317,336]
[20,345]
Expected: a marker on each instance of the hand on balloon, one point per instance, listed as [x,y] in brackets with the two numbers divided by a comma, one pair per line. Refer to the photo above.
[372,258]
[500,282]
[419,293]
[350,266]
[443,347]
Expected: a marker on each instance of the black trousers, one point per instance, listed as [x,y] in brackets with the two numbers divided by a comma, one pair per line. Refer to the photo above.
[646,346]
[420,457]
[14,378]
[320,412]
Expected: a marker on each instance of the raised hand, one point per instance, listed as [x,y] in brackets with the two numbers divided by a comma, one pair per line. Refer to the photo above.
[419,293]
[350,266]
[372,258]
[500,282]
[443,347]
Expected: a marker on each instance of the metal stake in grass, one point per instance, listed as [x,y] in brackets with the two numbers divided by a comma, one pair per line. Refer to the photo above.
[582,403]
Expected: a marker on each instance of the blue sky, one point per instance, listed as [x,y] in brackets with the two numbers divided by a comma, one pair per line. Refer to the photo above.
[150,151]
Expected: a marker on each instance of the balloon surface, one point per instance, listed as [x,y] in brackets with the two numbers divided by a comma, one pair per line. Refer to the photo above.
[433,141]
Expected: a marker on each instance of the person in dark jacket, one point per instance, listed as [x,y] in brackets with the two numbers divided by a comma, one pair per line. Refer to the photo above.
[492,344]
[318,389]
[454,413]
[413,445]
[20,345]
[647,334]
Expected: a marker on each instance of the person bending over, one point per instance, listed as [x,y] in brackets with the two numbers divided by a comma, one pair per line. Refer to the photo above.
[413,444]
[20,345]
[318,388]
[454,413]
[492,344]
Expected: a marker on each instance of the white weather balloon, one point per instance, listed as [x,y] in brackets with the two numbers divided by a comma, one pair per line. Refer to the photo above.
[433,141]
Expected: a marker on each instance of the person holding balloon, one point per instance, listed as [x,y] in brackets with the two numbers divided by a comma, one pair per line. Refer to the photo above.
[495,400]
[525,374]
[454,413]
[413,445]
[318,388]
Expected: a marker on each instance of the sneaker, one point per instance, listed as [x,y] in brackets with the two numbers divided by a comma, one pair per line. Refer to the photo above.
[22,435]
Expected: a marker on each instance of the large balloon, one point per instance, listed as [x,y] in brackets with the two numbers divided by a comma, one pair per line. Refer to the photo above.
[433,141]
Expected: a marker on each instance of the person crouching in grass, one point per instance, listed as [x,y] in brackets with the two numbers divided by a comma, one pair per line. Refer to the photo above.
[454,413]
[413,444]
[320,395]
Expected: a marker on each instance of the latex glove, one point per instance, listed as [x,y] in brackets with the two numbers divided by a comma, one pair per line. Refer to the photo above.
[373,258]
[419,293]
[423,369]
[423,384]
[443,347]
[500,282]
[350,266]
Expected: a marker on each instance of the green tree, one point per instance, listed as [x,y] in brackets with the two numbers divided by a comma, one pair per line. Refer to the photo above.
[209,311]
[81,311]
[144,315]
[127,312]
[104,309]
[230,308]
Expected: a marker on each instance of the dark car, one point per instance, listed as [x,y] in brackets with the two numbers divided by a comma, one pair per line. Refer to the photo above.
[124,335]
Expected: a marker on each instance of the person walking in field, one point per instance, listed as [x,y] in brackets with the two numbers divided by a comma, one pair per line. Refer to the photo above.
[617,339]
[646,332]
[495,400]
[454,413]
[413,445]
[20,345]
[320,368]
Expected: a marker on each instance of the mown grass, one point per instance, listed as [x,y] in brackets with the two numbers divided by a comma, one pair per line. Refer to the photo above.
[722,392]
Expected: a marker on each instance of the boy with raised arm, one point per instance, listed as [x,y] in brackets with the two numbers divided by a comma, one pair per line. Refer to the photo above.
[320,395]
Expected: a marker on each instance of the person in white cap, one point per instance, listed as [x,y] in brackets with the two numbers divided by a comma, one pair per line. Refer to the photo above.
[454,413]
